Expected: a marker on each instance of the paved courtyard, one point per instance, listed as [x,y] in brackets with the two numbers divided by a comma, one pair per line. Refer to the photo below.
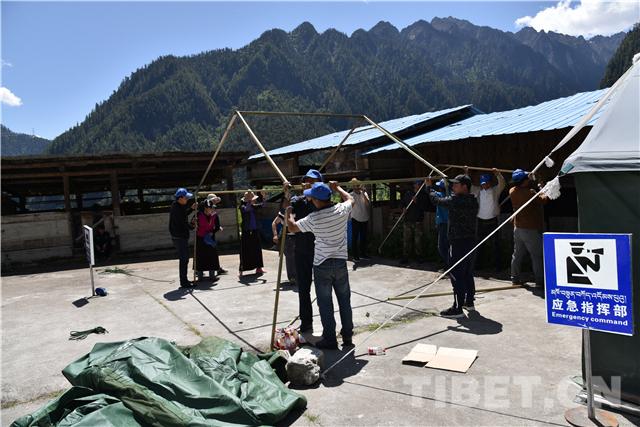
[522,375]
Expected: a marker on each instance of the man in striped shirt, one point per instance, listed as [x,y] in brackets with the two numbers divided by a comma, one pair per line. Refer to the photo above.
[329,225]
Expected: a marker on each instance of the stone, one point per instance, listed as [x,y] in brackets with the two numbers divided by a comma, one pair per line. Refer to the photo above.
[303,368]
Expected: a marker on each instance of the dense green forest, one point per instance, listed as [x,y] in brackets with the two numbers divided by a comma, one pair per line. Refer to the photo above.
[621,60]
[183,103]
[21,144]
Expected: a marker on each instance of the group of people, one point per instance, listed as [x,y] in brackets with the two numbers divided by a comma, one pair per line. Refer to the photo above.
[466,214]
[316,242]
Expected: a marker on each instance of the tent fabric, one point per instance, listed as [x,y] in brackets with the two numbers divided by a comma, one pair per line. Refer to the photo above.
[610,203]
[150,381]
[613,144]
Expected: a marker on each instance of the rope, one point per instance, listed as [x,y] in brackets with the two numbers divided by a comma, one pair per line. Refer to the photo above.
[436,280]
[80,335]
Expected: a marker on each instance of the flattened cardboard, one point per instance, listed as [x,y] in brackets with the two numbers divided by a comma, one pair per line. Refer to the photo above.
[420,354]
[453,359]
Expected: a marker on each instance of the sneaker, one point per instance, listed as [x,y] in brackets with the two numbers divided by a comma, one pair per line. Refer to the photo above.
[222,271]
[347,342]
[187,284]
[452,313]
[469,307]
[326,344]
[260,271]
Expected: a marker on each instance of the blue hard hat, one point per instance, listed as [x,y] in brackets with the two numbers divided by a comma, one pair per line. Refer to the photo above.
[314,174]
[440,184]
[182,192]
[485,178]
[320,191]
[519,175]
[101,292]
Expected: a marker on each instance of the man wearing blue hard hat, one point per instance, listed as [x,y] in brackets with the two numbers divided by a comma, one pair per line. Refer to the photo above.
[527,228]
[488,196]
[301,207]
[328,223]
[179,228]
[442,223]
[463,208]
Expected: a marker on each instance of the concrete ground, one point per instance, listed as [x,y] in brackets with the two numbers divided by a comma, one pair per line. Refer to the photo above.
[521,376]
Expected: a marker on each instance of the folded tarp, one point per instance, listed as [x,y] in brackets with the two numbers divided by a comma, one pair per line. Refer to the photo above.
[150,381]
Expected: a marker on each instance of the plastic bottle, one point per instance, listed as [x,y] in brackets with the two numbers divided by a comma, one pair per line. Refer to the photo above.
[376,351]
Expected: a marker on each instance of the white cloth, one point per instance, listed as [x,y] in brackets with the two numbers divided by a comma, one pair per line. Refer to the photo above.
[360,210]
[329,226]
[488,200]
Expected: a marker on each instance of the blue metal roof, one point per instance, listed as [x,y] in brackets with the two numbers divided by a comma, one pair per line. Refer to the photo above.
[555,114]
[361,134]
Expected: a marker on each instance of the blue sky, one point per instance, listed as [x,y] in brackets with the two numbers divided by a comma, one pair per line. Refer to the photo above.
[61,58]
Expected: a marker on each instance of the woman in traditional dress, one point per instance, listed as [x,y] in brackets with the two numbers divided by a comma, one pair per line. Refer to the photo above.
[250,247]
[206,245]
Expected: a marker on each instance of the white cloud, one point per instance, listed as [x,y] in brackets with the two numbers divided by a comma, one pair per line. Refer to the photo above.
[7,97]
[6,64]
[588,18]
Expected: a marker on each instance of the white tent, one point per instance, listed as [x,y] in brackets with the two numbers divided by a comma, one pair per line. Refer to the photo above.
[613,144]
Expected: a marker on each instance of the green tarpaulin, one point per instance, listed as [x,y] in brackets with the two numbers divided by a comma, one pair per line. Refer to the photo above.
[150,381]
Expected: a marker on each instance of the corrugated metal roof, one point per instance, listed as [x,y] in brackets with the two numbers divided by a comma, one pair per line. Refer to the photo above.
[555,114]
[361,134]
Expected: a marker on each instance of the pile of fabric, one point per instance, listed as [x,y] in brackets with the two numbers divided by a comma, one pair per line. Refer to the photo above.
[151,381]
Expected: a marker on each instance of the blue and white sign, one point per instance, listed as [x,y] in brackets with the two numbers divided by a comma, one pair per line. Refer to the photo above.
[588,281]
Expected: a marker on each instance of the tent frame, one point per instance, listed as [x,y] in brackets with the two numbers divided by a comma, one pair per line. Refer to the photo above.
[240,115]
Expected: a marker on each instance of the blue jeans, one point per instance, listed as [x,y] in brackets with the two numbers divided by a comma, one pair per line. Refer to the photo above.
[332,274]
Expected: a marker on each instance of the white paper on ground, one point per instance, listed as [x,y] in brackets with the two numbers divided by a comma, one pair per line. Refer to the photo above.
[421,353]
[453,359]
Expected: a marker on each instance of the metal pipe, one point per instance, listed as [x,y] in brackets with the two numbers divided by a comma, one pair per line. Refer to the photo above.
[213,159]
[477,168]
[405,146]
[278,281]
[401,217]
[444,294]
[335,150]
[299,113]
[261,147]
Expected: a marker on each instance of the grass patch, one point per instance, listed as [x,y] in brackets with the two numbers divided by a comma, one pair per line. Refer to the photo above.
[312,418]
[115,270]
[400,320]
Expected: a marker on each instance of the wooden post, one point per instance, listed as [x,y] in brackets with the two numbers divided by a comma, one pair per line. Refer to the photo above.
[115,194]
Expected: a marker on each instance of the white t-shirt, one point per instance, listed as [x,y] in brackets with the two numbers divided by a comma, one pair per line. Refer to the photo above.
[329,226]
[360,210]
[488,200]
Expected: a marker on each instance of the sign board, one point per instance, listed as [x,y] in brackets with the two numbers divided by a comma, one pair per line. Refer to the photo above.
[88,244]
[588,281]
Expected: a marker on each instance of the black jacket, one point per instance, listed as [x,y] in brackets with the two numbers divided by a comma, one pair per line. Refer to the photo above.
[179,226]
[415,212]
[463,210]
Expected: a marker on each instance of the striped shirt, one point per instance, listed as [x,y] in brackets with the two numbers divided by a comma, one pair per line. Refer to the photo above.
[329,225]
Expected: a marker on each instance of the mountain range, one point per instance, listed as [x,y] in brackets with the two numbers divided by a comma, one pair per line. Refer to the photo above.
[21,144]
[183,103]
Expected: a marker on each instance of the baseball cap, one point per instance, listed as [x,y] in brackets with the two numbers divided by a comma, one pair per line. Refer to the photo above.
[313,174]
[440,184]
[485,178]
[182,192]
[519,175]
[319,190]
[462,179]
